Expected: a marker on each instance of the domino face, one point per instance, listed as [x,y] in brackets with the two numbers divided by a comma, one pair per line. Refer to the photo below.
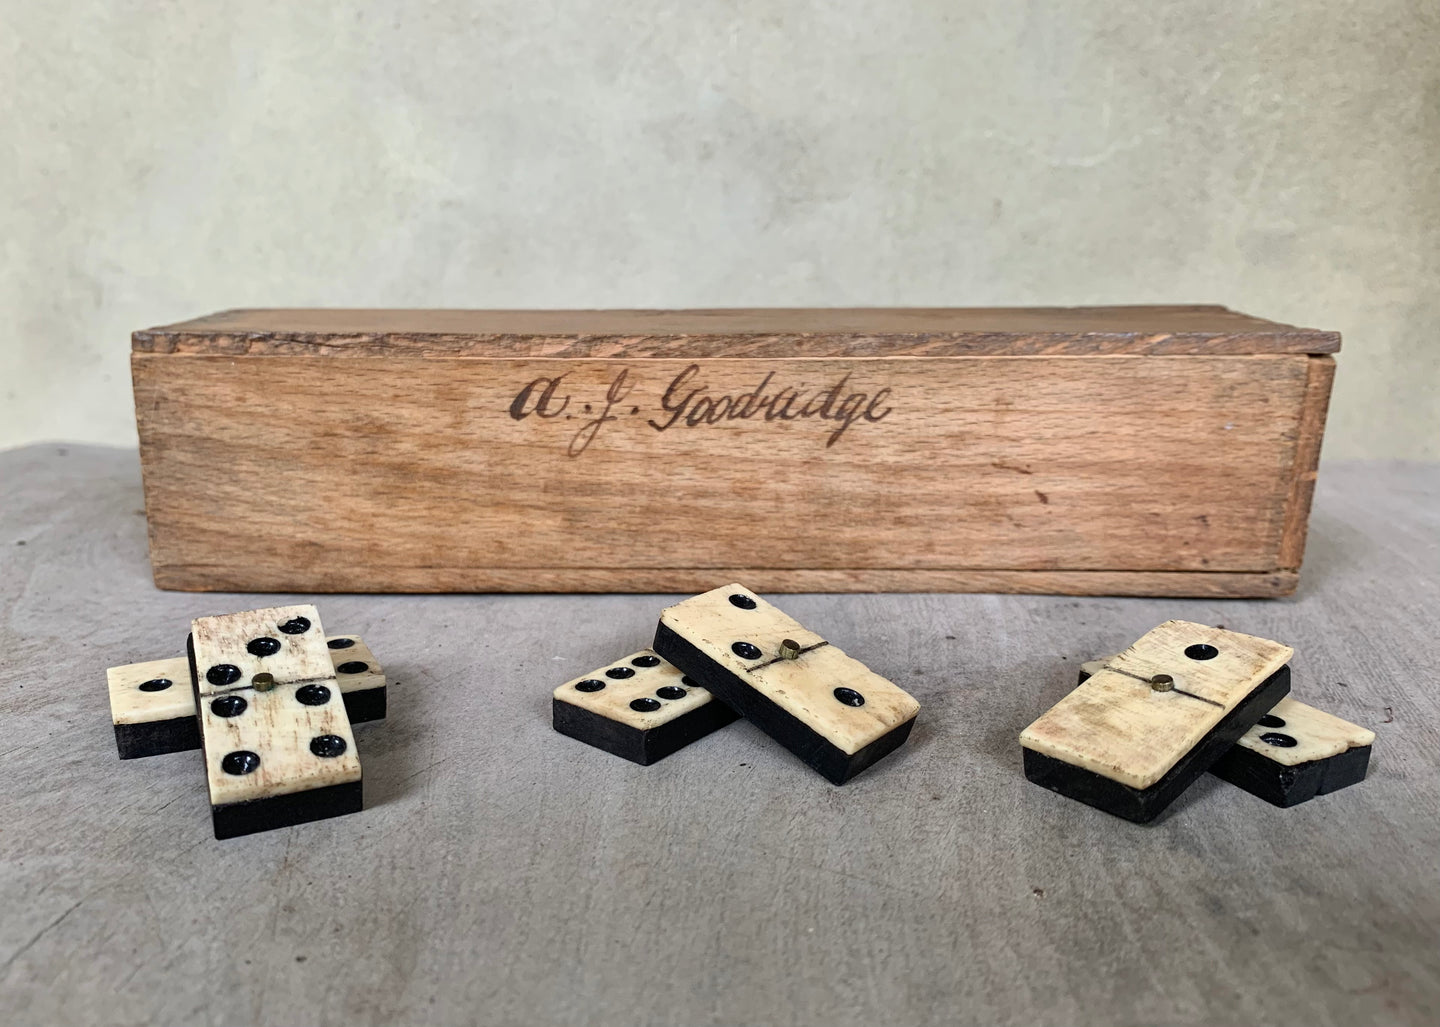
[278,757]
[152,706]
[278,745]
[641,708]
[285,642]
[1292,754]
[152,718]
[1296,752]
[828,708]
[361,678]
[1150,720]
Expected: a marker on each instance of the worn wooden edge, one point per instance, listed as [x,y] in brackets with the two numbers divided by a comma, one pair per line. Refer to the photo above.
[629,320]
[147,469]
[1173,584]
[1310,433]
[677,347]
[735,334]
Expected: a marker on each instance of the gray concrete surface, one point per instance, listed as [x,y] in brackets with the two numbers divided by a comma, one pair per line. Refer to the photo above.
[165,160]
[503,874]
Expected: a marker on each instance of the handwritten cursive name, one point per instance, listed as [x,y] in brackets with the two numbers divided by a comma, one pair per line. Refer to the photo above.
[691,404]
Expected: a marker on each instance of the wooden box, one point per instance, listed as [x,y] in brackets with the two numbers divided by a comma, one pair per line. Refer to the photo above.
[1119,450]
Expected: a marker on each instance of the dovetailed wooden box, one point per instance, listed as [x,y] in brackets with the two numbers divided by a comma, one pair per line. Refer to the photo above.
[1118,450]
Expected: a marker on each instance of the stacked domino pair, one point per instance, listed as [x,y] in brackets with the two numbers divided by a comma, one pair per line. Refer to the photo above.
[729,653]
[1145,724]
[270,700]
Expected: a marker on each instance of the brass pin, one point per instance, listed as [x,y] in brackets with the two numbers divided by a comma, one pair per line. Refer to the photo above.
[263,682]
[789,649]
[1162,682]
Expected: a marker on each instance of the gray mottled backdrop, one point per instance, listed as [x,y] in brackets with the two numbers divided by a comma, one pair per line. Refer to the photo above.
[164,160]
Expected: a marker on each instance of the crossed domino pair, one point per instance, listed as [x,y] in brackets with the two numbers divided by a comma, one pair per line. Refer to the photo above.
[729,653]
[1145,724]
[271,700]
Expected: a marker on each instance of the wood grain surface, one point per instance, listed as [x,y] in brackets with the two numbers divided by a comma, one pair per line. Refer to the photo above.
[1125,474]
[1119,725]
[1306,461]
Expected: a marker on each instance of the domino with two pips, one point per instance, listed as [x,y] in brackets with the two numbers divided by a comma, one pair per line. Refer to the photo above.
[1141,729]
[827,708]
[1295,753]
[1292,754]
[641,708]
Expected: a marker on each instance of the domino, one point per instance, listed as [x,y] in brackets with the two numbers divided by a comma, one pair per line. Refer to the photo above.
[1139,730]
[827,708]
[152,704]
[279,757]
[278,746]
[153,708]
[1296,752]
[640,708]
[279,645]
[1292,754]
[362,679]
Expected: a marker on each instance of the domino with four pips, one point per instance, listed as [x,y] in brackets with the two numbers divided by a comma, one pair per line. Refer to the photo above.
[1292,754]
[1149,721]
[269,700]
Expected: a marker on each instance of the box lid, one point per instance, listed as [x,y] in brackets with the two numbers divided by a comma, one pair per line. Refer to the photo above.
[749,332]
